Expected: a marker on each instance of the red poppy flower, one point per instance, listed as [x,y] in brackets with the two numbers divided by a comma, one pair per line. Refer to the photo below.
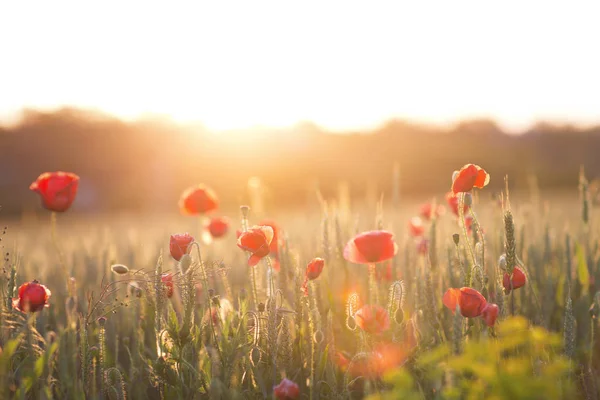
[416,227]
[372,318]
[518,279]
[371,247]
[468,177]
[286,390]
[57,189]
[374,364]
[198,200]
[257,241]
[218,226]
[453,201]
[470,301]
[423,246]
[32,297]
[313,270]
[179,243]
[490,314]
[276,243]
[428,211]
[167,280]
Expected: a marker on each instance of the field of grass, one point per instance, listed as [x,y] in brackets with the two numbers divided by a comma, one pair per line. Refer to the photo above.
[219,329]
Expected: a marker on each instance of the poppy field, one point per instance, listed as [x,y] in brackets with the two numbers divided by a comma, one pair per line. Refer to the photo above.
[461,296]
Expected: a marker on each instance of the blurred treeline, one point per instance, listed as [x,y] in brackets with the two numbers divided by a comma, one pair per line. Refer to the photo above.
[146,164]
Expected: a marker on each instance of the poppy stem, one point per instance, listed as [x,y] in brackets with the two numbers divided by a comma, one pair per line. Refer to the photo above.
[461,217]
[373,294]
[54,233]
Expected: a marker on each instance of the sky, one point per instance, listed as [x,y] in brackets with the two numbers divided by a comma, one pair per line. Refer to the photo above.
[343,65]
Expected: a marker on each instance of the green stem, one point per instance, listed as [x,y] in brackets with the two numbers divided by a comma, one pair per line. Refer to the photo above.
[461,217]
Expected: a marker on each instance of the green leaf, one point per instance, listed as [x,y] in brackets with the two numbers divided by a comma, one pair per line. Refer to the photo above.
[583,273]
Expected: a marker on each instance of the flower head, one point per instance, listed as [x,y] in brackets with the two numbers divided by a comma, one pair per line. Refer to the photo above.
[276,243]
[517,278]
[257,241]
[179,244]
[198,200]
[313,270]
[57,189]
[428,211]
[167,280]
[218,226]
[371,247]
[471,302]
[32,297]
[372,318]
[416,227]
[286,390]
[468,177]
[453,202]
[490,314]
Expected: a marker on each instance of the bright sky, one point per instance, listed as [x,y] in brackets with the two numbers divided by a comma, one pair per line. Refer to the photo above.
[341,64]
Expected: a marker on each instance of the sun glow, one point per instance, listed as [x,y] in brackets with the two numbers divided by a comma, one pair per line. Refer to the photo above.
[340,64]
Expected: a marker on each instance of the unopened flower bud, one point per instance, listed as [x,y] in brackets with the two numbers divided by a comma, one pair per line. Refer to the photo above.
[261,307]
[468,199]
[456,238]
[502,262]
[102,321]
[245,210]
[119,269]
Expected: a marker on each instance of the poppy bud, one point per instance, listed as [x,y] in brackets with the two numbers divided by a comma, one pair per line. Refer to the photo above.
[456,238]
[119,269]
[102,321]
[245,210]
[502,262]
[468,199]
[261,307]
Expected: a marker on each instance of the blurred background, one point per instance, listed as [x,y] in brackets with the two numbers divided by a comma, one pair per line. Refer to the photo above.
[144,100]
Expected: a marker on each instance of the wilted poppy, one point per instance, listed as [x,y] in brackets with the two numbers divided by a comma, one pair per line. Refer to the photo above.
[470,301]
[453,202]
[371,247]
[286,390]
[416,227]
[428,211]
[179,244]
[518,280]
[32,297]
[256,240]
[218,226]
[167,280]
[198,200]
[490,314]
[372,318]
[57,189]
[468,177]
